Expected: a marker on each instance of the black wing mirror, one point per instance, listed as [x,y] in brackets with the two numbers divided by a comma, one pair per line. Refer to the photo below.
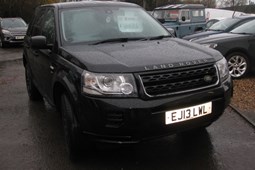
[183,19]
[38,42]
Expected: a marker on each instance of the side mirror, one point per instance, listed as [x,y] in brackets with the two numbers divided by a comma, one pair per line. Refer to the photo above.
[183,18]
[172,31]
[162,20]
[38,42]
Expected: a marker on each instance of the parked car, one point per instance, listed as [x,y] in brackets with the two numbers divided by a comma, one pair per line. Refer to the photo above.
[185,19]
[238,46]
[12,31]
[118,76]
[222,26]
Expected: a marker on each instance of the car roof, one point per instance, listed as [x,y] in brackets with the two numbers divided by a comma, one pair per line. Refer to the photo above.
[239,18]
[244,16]
[181,6]
[66,5]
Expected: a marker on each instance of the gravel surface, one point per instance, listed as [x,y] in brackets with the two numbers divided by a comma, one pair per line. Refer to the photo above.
[244,94]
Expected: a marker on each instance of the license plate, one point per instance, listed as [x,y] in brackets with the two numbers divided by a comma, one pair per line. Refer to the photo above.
[184,114]
[19,37]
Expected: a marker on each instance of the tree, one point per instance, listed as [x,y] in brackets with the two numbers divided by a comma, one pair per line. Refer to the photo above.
[21,8]
[206,3]
[151,4]
[209,3]
[232,3]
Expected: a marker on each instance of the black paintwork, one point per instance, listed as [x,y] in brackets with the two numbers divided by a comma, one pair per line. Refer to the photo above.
[127,57]
[59,69]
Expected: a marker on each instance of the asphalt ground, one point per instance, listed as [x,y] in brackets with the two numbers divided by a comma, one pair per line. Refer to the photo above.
[249,116]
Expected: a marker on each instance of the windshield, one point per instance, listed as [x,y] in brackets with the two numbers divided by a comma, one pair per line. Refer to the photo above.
[168,15]
[247,28]
[103,23]
[224,24]
[13,23]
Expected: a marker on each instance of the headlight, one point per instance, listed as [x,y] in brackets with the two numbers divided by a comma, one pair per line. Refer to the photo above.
[109,84]
[223,68]
[6,32]
[213,45]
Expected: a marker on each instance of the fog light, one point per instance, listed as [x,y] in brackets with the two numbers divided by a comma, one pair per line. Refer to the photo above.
[126,88]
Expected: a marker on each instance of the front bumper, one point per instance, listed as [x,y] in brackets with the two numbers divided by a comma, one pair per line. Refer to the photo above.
[13,39]
[132,120]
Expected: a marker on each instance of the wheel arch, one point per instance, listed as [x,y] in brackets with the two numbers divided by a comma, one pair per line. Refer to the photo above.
[58,90]
[237,50]
[64,84]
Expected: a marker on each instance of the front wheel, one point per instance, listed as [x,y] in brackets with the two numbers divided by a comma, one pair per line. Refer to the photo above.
[2,44]
[70,128]
[238,64]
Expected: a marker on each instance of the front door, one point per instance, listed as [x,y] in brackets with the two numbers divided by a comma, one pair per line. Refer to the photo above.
[44,58]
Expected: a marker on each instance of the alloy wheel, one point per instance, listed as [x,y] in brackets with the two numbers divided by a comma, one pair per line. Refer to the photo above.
[237,65]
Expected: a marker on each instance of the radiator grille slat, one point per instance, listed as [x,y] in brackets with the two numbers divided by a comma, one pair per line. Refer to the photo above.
[177,81]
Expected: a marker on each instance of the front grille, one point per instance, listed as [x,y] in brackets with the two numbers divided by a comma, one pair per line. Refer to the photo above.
[180,80]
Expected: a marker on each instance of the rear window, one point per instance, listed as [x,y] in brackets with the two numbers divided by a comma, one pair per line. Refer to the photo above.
[198,13]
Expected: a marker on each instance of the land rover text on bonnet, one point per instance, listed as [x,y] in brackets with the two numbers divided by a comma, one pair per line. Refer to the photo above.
[118,76]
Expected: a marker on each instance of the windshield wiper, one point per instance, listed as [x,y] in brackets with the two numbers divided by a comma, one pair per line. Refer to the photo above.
[245,33]
[111,40]
[158,37]
[130,39]
[214,30]
[119,40]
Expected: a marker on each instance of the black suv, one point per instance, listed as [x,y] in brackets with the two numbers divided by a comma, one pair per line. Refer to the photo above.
[12,31]
[118,76]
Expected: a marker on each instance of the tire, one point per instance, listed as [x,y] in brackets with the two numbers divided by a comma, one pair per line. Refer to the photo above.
[2,44]
[238,65]
[32,91]
[70,128]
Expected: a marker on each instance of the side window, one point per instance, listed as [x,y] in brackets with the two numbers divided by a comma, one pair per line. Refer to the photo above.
[48,26]
[37,23]
[186,14]
[44,24]
[198,13]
